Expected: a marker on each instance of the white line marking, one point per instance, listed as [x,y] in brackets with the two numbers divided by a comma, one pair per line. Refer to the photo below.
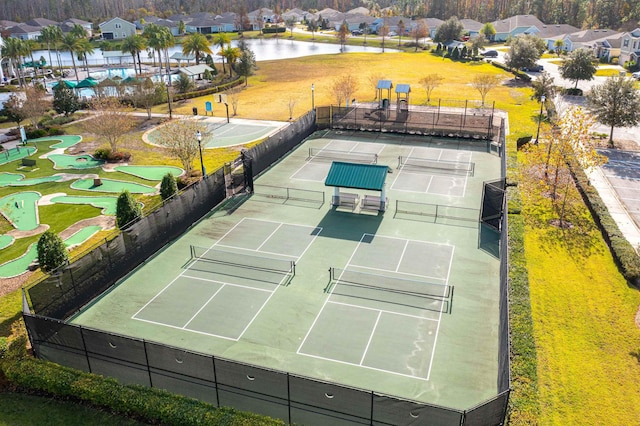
[382,310]
[435,339]
[232,284]
[364,366]
[270,235]
[203,306]
[406,244]
[256,250]
[373,331]
[186,329]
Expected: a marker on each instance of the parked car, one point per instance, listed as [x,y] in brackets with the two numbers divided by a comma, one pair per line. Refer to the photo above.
[490,54]
[393,34]
[357,32]
[636,75]
[534,68]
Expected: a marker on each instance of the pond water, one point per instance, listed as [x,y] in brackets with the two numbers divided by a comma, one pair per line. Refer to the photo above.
[264,49]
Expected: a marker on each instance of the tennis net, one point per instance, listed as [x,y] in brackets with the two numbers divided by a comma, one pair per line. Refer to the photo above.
[455,167]
[322,154]
[391,284]
[243,260]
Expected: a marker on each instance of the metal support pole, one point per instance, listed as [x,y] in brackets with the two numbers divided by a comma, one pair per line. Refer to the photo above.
[199,137]
[542,99]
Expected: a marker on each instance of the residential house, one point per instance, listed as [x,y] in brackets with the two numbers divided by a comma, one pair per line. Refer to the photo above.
[173,26]
[25,32]
[355,21]
[608,47]
[584,39]
[553,32]
[143,22]
[433,24]
[630,47]
[392,22]
[259,18]
[117,29]
[41,22]
[206,23]
[516,25]
[471,27]
[298,15]
[68,24]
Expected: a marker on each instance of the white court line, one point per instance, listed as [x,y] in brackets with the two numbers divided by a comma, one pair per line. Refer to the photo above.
[203,306]
[406,244]
[255,250]
[259,310]
[363,366]
[186,329]
[224,283]
[270,235]
[373,331]
[400,273]
[326,301]
[435,339]
[620,177]
[382,310]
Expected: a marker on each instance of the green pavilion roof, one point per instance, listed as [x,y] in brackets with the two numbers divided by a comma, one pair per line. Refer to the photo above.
[357,176]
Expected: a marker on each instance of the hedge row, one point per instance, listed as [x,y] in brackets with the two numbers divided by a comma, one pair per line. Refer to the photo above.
[216,89]
[517,73]
[622,251]
[139,402]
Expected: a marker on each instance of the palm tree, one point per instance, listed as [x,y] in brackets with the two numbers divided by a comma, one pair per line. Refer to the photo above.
[79,31]
[196,43]
[51,36]
[13,49]
[151,33]
[166,41]
[29,46]
[220,40]
[72,44]
[231,54]
[134,44]
[84,47]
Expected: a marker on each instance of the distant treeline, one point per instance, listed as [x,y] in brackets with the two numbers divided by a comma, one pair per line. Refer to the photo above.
[614,14]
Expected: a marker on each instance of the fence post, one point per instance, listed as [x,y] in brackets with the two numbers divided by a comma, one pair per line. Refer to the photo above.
[215,379]
[146,359]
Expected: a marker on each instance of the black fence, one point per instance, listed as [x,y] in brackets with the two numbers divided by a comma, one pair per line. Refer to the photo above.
[223,382]
[467,123]
[219,381]
[493,203]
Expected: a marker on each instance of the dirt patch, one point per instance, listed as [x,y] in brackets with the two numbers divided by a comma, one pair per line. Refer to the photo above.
[106,222]
[22,234]
[638,317]
[9,285]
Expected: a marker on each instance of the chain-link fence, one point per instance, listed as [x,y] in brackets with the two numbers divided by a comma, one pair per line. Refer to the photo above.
[222,382]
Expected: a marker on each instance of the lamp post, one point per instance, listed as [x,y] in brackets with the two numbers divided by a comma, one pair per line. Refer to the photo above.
[313,89]
[169,94]
[199,137]
[542,99]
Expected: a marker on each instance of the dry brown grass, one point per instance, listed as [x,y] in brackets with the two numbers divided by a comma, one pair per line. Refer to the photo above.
[276,82]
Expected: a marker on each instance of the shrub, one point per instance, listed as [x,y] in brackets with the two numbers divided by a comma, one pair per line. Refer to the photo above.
[102,153]
[36,133]
[168,186]
[127,209]
[52,253]
[572,91]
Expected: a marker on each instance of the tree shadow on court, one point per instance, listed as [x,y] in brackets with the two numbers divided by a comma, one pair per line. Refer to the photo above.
[348,225]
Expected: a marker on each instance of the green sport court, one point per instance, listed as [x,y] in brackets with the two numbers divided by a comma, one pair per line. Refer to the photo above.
[403,302]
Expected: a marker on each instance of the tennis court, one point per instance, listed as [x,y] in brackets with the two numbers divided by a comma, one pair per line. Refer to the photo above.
[381,301]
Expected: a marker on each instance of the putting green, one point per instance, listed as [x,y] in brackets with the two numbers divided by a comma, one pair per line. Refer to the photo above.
[21,209]
[20,265]
[16,153]
[106,203]
[85,161]
[82,235]
[63,141]
[150,172]
[16,179]
[6,241]
[109,185]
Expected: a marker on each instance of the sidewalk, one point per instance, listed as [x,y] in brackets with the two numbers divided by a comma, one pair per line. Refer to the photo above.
[616,208]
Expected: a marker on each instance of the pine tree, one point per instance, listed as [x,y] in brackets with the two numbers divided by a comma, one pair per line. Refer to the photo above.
[168,186]
[127,209]
[52,253]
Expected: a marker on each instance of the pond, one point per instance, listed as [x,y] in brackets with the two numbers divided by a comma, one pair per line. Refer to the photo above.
[264,49]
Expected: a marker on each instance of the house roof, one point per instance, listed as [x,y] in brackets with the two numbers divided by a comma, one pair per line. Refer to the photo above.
[359,10]
[41,22]
[8,24]
[614,41]
[471,24]
[356,176]
[554,30]
[433,23]
[72,21]
[194,70]
[518,21]
[586,36]
[179,56]
[25,29]
[384,84]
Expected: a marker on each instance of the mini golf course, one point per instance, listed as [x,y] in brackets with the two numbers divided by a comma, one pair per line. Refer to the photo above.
[106,203]
[85,161]
[21,210]
[110,185]
[150,172]
[16,153]
[6,241]
[21,265]
[63,141]
[17,179]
